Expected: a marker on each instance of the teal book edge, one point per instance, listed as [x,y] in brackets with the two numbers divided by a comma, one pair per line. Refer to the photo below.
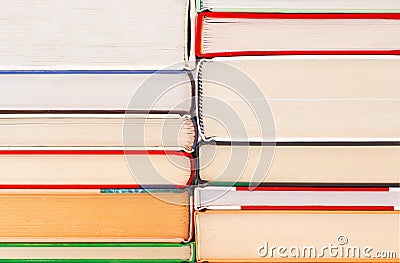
[98,245]
[230,184]
[141,190]
[199,6]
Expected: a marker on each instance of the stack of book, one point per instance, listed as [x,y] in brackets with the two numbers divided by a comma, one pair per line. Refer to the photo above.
[299,106]
[96,104]
[248,131]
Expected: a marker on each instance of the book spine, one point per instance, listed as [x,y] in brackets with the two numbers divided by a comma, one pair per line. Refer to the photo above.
[200,98]
[191,222]
[199,34]
[190,26]
[186,53]
[397,191]
[192,245]
[199,6]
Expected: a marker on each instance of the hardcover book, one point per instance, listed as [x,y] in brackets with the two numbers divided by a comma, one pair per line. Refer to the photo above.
[90,168]
[96,91]
[106,215]
[297,198]
[240,34]
[297,236]
[106,131]
[300,164]
[300,6]
[306,98]
[111,34]
[97,252]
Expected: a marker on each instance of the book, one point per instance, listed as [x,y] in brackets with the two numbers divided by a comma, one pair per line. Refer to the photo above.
[297,198]
[107,215]
[91,168]
[109,34]
[97,252]
[297,236]
[235,34]
[300,6]
[96,91]
[128,131]
[300,98]
[301,164]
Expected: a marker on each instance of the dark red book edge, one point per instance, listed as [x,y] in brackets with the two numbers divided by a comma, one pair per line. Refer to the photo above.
[97,152]
[201,16]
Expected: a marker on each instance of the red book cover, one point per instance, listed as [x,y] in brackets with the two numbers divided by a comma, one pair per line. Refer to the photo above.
[226,20]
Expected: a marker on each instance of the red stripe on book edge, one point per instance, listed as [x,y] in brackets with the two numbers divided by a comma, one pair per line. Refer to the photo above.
[300,15]
[198,34]
[191,178]
[329,208]
[192,170]
[91,187]
[317,189]
[94,152]
[298,52]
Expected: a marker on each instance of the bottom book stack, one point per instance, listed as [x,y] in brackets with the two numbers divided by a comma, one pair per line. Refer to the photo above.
[297,224]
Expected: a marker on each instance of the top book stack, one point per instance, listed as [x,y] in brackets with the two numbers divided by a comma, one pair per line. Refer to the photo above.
[92,81]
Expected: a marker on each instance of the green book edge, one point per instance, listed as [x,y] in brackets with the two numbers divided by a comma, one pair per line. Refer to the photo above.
[200,8]
[190,244]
